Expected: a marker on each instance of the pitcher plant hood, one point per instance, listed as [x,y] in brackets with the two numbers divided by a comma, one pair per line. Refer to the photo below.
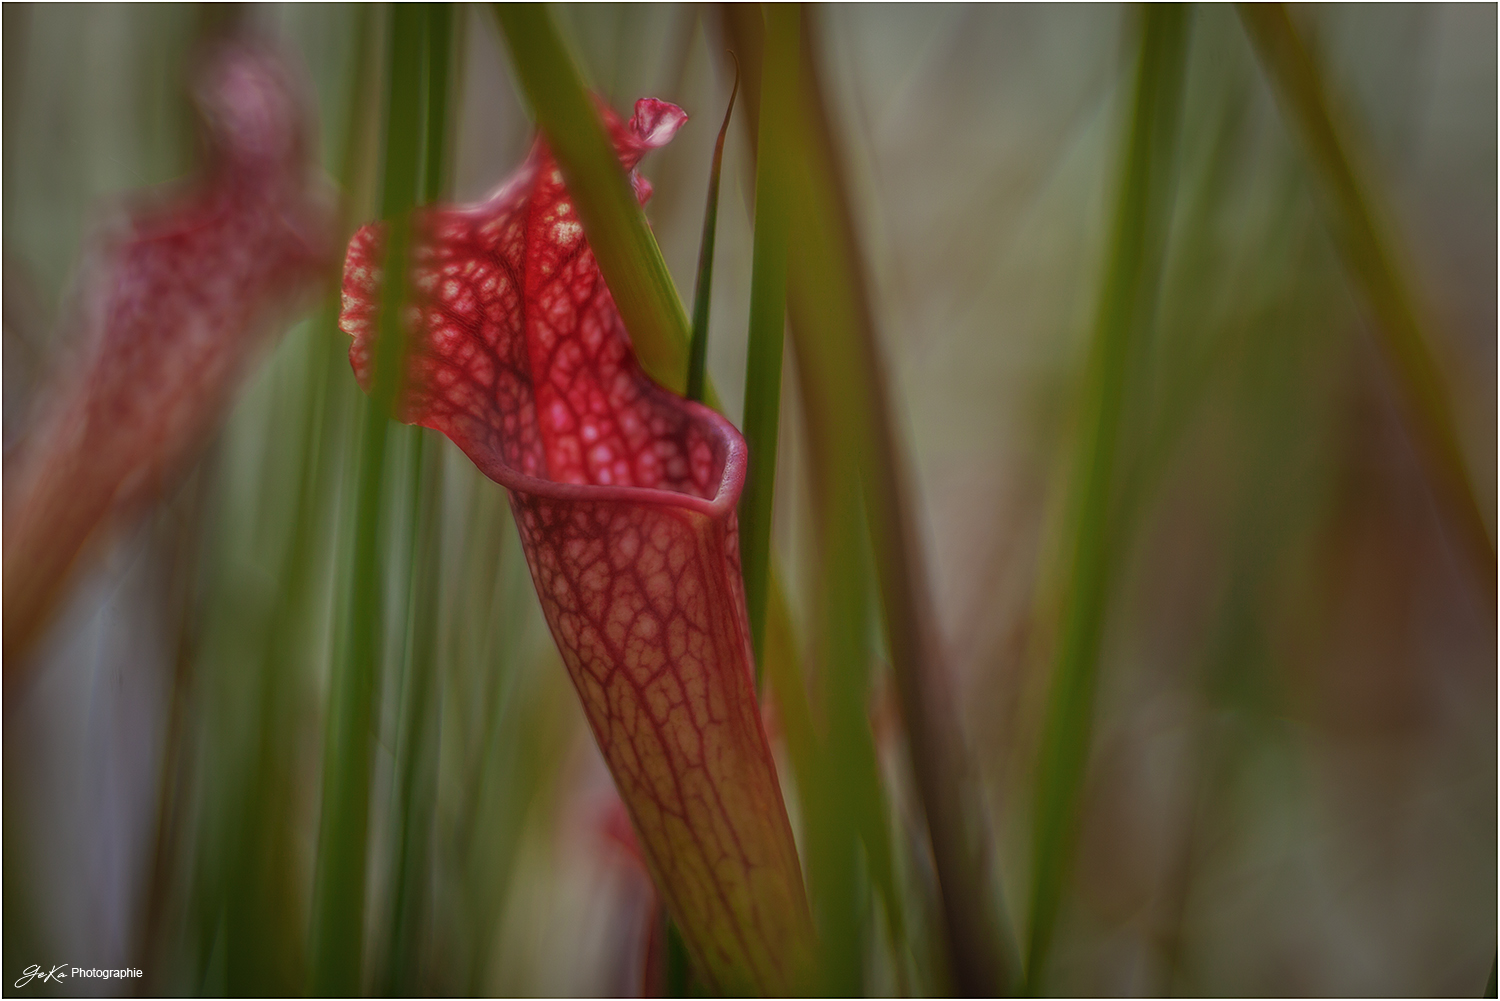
[624,495]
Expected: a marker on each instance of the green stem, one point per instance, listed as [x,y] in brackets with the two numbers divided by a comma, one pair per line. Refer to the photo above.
[339,888]
[778,122]
[417,751]
[845,391]
[349,736]
[702,290]
[851,784]
[1126,309]
[439,37]
[619,238]
[417,756]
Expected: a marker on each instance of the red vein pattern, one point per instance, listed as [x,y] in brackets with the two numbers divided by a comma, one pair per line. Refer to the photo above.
[625,497]
[174,302]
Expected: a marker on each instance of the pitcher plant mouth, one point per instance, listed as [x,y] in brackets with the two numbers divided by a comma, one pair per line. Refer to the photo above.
[725,499]
[624,495]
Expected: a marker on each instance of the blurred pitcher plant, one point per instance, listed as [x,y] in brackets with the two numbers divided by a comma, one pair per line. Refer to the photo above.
[173,303]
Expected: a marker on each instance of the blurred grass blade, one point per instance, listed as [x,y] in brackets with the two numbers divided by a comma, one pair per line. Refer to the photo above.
[843,804]
[702,291]
[1126,309]
[831,820]
[778,123]
[1364,247]
[838,776]
[834,332]
[618,236]
[349,735]
[415,793]
[264,953]
[851,788]
[438,34]
[785,678]
[248,828]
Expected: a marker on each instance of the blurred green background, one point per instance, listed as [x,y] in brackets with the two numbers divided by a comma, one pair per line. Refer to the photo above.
[1291,782]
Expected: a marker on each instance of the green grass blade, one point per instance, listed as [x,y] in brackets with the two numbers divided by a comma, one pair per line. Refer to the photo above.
[349,735]
[777,136]
[852,781]
[417,758]
[621,241]
[247,668]
[1364,248]
[702,290]
[339,888]
[839,358]
[417,754]
[438,33]
[263,955]
[1125,314]
[841,791]
[784,675]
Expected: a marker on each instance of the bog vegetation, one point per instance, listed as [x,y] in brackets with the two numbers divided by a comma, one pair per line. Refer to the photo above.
[1109,606]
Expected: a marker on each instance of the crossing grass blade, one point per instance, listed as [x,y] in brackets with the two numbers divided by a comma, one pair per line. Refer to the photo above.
[776,136]
[619,238]
[615,225]
[438,73]
[702,291]
[617,231]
